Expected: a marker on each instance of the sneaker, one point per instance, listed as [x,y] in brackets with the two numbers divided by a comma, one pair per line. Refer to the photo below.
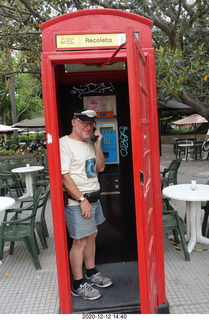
[86,291]
[99,280]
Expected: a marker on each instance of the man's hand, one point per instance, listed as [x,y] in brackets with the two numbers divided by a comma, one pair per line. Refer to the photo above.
[86,209]
[99,135]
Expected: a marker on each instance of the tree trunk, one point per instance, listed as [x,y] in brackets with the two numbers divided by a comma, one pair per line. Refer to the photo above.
[200,107]
[12,95]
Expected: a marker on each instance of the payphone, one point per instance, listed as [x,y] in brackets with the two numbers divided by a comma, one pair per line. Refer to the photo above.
[109,130]
[105,107]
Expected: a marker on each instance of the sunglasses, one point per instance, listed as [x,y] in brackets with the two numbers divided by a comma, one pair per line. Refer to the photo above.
[86,123]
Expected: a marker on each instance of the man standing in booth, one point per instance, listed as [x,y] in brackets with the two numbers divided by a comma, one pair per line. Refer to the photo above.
[81,159]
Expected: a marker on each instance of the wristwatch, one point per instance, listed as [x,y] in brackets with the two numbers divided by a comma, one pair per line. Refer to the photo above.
[82,198]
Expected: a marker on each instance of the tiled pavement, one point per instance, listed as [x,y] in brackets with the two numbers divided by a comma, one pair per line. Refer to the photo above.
[187,282]
[23,290]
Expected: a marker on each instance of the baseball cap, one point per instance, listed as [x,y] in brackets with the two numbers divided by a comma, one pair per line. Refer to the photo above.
[85,115]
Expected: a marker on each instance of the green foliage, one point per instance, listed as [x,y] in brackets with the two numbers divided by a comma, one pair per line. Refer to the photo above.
[180,37]
[171,73]
[197,78]
[4,152]
[28,97]
[11,152]
[178,71]
[182,130]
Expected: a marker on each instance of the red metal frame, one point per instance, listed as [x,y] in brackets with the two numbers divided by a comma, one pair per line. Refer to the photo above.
[157,201]
[56,185]
[52,130]
[140,126]
[87,21]
[111,21]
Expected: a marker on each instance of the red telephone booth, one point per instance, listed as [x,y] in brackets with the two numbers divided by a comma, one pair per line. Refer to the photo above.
[103,59]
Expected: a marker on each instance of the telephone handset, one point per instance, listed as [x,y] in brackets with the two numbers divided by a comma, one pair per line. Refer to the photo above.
[93,138]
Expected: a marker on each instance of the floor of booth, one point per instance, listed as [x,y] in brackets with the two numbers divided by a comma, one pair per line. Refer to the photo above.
[124,297]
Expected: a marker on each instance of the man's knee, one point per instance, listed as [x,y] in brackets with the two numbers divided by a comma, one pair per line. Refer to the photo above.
[80,244]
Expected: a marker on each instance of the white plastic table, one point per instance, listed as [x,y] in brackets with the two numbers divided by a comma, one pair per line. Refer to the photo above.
[186,146]
[193,200]
[6,203]
[28,171]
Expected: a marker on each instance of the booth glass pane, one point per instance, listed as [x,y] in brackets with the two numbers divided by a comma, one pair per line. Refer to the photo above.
[142,71]
[144,105]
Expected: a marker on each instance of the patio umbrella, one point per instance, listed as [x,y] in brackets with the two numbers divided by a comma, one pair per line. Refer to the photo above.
[38,122]
[195,119]
[6,129]
[35,124]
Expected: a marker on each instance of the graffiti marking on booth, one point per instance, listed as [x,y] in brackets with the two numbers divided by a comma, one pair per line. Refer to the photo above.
[123,141]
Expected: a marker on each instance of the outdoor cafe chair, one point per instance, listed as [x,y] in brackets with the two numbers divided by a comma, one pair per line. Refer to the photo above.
[180,149]
[21,229]
[40,221]
[205,207]
[20,181]
[195,151]
[170,173]
[175,144]
[172,221]
[3,188]
[41,179]
[16,178]
[10,181]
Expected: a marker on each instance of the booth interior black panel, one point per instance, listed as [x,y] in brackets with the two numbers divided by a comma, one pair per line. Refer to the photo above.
[116,240]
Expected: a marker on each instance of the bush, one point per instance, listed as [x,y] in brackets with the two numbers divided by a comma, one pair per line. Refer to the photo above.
[4,152]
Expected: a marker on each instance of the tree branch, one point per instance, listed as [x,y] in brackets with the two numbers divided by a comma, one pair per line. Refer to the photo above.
[20,33]
[35,14]
[77,4]
[178,14]
[20,72]
[8,8]
[199,106]
[158,23]
[21,112]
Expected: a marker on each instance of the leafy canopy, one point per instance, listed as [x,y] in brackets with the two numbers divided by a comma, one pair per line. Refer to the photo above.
[180,37]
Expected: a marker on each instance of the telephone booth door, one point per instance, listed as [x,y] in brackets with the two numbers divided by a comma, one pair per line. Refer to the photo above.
[140,75]
[143,181]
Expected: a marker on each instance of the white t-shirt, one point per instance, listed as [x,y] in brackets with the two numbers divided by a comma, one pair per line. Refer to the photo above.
[78,159]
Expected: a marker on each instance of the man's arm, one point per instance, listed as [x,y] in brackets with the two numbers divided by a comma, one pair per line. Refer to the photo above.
[100,159]
[70,186]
